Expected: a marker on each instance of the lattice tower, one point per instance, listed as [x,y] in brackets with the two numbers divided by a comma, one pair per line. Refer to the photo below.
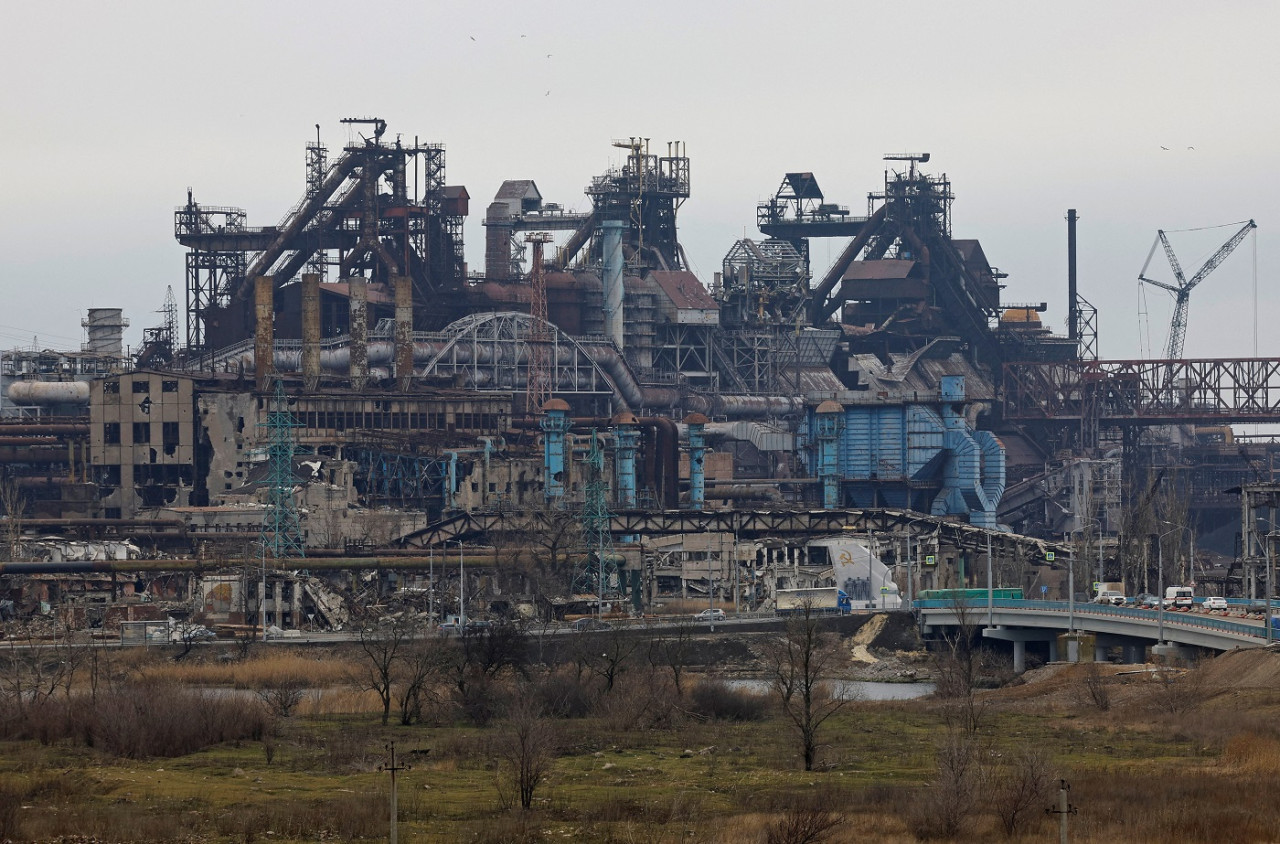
[281,527]
[538,382]
[598,574]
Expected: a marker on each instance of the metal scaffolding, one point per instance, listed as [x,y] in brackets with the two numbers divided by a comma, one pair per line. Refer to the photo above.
[281,527]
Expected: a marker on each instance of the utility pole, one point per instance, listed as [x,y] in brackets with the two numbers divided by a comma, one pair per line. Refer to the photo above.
[990,592]
[1062,811]
[392,768]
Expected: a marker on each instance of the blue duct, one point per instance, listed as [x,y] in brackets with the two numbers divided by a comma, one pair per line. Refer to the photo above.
[555,424]
[828,435]
[697,458]
[626,441]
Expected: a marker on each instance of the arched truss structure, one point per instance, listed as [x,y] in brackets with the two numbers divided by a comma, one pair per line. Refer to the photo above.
[490,352]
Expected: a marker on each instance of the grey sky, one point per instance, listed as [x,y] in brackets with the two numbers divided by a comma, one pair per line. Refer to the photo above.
[112,110]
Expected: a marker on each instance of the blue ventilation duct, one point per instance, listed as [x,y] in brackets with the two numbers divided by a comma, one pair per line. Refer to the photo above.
[697,458]
[555,424]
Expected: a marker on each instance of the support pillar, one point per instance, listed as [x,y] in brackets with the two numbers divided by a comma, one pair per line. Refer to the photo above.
[1053,650]
[697,459]
[829,415]
[626,440]
[1099,652]
[555,425]
[311,331]
[358,328]
[264,329]
[404,330]
[1019,657]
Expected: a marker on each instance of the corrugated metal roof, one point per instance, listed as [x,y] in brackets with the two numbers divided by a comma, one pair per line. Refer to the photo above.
[518,189]
[877,270]
[684,290]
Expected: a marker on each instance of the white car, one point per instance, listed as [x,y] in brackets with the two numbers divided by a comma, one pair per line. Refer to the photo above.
[1215,602]
[710,615]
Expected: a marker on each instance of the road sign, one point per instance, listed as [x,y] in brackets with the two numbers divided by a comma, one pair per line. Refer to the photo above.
[1044,589]
[930,560]
[884,590]
[1048,555]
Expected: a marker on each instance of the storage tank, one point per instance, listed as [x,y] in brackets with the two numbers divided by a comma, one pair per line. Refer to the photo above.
[47,393]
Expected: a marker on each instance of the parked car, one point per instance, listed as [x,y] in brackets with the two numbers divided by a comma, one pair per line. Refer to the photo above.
[584,625]
[1215,602]
[1110,596]
[710,615]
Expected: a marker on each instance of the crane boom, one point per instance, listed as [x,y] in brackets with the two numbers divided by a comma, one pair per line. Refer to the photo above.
[1182,293]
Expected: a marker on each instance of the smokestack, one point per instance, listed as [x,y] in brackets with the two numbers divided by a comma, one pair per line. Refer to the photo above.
[105,332]
[311,330]
[264,328]
[358,329]
[611,280]
[404,329]
[1073,305]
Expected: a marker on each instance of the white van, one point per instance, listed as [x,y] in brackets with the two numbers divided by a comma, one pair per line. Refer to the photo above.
[1179,596]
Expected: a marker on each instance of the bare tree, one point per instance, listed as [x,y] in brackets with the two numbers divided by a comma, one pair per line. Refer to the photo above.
[1018,789]
[380,642]
[527,751]
[948,801]
[672,648]
[801,666]
[804,822]
[14,504]
[419,665]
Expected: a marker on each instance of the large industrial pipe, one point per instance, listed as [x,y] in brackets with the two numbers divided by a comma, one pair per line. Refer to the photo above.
[310,330]
[358,297]
[53,429]
[667,461]
[264,331]
[404,329]
[46,393]
[1073,306]
[611,280]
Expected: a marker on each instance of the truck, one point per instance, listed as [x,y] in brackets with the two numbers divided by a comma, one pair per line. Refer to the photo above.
[828,599]
[1179,596]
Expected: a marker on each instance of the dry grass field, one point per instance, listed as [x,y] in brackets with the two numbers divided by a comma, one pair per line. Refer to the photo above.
[198,750]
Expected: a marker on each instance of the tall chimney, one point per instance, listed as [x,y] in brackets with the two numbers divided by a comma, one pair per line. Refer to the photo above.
[264,328]
[358,329]
[311,330]
[1073,303]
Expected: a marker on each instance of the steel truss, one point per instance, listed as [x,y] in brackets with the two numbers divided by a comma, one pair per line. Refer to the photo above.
[1144,392]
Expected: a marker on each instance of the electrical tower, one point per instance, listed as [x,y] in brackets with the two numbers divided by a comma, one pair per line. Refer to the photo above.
[598,574]
[1182,292]
[538,382]
[281,528]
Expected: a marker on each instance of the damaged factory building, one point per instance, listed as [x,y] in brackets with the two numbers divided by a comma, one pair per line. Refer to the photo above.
[342,403]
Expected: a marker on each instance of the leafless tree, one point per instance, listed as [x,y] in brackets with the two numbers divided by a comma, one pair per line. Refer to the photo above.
[805,822]
[1095,687]
[283,696]
[1018,789]
[801,665]
[948,801]
[419,664]
[14,504]
[527,751]
[672,648]
[381,642]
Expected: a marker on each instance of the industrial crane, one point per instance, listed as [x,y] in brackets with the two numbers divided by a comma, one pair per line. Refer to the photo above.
[1182,292]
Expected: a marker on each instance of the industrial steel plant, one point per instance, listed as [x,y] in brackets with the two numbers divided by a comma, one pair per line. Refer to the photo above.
[335,412]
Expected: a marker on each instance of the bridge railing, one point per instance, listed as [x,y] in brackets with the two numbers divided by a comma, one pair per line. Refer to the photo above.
[977,605]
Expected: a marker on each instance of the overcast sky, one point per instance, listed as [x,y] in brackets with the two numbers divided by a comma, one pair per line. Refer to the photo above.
[111,110]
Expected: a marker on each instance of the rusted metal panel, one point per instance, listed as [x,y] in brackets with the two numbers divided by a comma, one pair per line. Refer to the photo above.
[264,331]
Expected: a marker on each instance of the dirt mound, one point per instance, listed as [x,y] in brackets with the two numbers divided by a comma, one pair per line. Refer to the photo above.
[1244,668]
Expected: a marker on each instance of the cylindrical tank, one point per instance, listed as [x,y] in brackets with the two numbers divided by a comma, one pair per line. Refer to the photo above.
[45,393]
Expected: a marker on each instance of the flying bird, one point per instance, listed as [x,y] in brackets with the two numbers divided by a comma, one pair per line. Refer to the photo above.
[1166,149]
[1190,147]
[547,94]
[473,38]
[548,55]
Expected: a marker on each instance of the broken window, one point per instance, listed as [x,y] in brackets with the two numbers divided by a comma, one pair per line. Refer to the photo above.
[141,386]
[141,432]
[111,433]
[111,387]
[169,386]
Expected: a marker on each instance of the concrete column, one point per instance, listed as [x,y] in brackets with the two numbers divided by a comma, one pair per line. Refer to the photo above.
[311,330]
[358,326]
[1019,657]
[1053,650]
[404,330]
[1099,653]
[611,280]
[264,328]
[1073,649]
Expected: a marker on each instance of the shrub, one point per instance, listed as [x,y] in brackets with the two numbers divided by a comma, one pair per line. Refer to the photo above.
[718,700]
